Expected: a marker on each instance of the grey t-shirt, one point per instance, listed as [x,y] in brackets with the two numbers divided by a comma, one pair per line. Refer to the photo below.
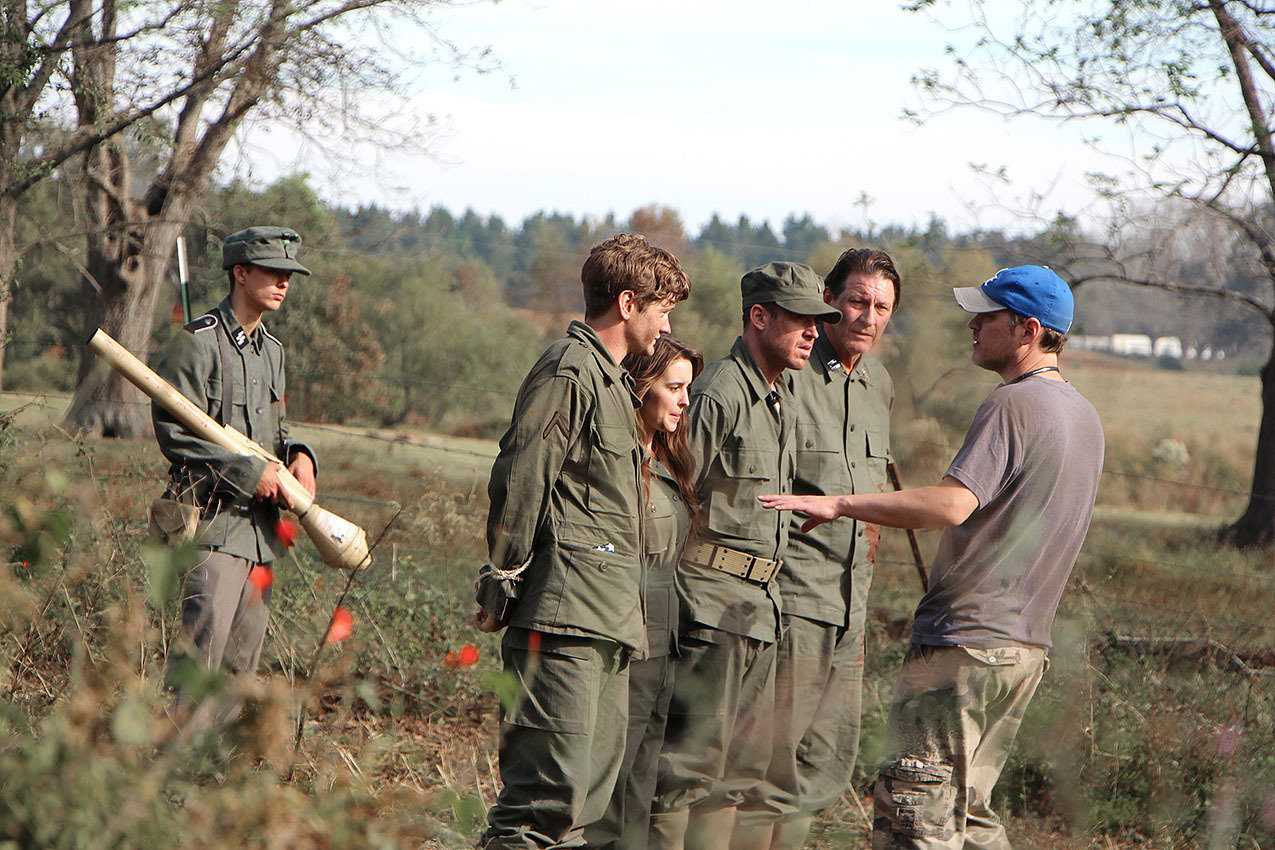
[1033,457]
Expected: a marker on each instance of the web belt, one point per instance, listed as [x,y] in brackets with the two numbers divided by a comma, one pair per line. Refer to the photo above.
[750,568]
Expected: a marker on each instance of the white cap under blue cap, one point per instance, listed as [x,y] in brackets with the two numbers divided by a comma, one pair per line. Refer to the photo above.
[1032,291]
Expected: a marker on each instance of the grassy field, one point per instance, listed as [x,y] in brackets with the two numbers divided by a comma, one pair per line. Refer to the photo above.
[1155,726]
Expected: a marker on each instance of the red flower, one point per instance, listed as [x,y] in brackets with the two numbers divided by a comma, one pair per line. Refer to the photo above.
[341,626]
[260,577]
[468,655]
[533,642]
[286,530]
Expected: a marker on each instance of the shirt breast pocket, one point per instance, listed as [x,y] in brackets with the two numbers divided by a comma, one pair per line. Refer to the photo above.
[745,474]
[610,459]
[213,392]
[659,527]
[878,457]
[612,444]
[820,463]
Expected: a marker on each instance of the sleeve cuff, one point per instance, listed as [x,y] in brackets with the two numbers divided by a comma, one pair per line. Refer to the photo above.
[301,448]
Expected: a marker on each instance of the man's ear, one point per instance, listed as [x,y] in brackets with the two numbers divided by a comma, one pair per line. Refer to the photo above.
[827,295]
[627,304]
[758,316]
[1032,329]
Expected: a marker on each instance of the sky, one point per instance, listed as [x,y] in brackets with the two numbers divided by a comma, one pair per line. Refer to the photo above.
[744,107]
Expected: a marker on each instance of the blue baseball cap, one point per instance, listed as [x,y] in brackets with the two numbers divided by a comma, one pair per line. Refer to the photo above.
[1032,291]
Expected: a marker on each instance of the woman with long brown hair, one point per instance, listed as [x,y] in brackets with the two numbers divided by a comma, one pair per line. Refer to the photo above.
[662,380]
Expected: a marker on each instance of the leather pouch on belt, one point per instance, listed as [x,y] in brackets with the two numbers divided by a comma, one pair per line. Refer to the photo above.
[173,522]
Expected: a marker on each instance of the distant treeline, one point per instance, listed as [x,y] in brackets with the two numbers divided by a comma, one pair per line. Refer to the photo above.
[431,318]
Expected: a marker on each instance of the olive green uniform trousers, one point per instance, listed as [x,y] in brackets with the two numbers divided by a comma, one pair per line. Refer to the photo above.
[562,741]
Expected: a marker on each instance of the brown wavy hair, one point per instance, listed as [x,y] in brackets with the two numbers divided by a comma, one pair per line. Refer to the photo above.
[628,262]
[671,449]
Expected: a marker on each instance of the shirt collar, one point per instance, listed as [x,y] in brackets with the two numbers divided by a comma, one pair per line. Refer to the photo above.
[234,329]
[613,371]
[830,362]
[752,372]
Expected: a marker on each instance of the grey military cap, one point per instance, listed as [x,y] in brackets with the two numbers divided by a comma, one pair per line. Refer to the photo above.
[264,245]
[793,286]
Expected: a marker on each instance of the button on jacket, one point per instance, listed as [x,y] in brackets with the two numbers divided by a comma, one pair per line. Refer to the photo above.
[220,480]
[565,495]
[742,449]
[842,442]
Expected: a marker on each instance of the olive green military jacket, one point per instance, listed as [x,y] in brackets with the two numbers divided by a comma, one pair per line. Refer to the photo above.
[843,445]
[666,522]
[565,495]
[742,449]
[218,480]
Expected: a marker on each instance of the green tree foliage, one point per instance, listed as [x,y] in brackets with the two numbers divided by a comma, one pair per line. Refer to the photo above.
[1185,86]
[711,318]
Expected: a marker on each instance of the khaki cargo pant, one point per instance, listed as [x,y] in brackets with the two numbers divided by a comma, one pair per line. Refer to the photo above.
[953,719]
[561,744]
[224,620]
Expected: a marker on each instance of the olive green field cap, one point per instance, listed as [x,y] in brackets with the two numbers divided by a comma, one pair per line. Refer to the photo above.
[794,286]
[264,245]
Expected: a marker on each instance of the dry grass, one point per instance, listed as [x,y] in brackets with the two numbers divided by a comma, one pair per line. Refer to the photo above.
[410,743]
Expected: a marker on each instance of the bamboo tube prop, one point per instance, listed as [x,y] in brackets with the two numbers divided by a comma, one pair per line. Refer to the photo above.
[341,543]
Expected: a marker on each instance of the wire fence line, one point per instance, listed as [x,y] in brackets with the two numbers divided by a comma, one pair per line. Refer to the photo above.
[368,434]
[1130,560]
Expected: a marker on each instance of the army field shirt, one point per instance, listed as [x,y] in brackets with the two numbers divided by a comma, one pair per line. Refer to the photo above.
[666,522]
[843,445]
[219,480]
[743,447]
[565,495]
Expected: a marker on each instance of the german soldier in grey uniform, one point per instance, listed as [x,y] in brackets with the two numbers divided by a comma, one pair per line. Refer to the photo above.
[740,429]
[843,400]
[232,367]
[566,568]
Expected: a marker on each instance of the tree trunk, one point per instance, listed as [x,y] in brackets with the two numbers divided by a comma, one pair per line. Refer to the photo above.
[8,269]
[127,255]
[1257,525]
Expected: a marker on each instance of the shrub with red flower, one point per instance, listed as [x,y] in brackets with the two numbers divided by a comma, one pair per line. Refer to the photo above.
[286,530]
[261,577]
[466,656]
[341,627]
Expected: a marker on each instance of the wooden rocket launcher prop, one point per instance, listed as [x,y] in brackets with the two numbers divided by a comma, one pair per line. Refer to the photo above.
[341,543]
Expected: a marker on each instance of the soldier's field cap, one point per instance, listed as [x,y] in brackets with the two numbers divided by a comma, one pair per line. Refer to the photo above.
[793,286]
[1031,291]
[265,245]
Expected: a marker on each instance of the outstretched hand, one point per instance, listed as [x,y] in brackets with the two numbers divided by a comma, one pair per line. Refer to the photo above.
[819,509]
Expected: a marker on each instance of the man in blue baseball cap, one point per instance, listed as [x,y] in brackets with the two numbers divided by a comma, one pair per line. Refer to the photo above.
[1015,506]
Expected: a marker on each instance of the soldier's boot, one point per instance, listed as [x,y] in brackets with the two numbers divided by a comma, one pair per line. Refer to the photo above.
[710,830]
[668,830]
[752,831]
[790,834]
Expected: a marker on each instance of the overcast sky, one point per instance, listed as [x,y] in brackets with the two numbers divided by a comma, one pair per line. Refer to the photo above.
[749,107]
